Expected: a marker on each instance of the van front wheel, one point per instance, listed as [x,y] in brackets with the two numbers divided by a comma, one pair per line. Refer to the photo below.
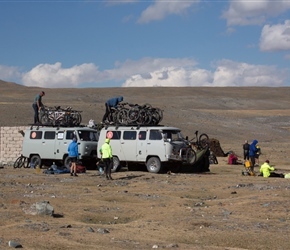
[153,165]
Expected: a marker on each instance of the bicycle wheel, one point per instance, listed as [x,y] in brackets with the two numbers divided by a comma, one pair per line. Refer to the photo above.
[144,117]
[160,113]
[44,119]
[155,117]
[122,117]
[203,141]
[26,163]
[190,156]
[77,118]
[133,115]
[19,163]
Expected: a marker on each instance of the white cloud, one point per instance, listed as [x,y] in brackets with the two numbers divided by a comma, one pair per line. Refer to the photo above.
[275,37]
[54,76]
[149,72]
[162,8]
[7,72]
[171,77]
[227,73]
[253,12]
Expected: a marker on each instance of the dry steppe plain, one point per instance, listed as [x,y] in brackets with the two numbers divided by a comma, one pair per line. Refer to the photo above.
[220,209]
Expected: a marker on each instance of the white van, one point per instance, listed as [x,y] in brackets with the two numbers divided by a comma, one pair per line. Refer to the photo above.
[155,146]
[44,145]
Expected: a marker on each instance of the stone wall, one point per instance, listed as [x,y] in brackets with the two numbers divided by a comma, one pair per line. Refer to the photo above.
[10,144]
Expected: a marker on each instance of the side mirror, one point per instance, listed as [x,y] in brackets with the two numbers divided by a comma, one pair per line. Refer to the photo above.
[165,137]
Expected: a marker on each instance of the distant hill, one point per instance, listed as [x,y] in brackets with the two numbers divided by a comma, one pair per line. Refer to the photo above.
[231,113]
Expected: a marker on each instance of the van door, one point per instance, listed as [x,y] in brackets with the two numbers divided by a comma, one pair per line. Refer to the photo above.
[141,146]
[47,146]
[60,146]
[128,145]
[155,144]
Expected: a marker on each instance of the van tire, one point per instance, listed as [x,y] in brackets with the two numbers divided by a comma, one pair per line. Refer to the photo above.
[153,165]
[116,164]
[36,160]
[67,162]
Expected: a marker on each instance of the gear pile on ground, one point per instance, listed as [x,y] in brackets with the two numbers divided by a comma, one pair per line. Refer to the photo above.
[215,147]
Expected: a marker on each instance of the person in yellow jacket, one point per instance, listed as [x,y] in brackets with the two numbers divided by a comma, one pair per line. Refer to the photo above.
[266,170]
[107,157]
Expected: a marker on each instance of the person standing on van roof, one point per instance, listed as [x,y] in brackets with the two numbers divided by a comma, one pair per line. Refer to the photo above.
[73,153]
[36,105]
[111,103]
[107,157]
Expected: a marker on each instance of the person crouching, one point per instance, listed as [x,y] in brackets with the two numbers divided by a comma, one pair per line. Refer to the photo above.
[267,171]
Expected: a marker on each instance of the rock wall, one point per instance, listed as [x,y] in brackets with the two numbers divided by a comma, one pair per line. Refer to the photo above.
[10,144]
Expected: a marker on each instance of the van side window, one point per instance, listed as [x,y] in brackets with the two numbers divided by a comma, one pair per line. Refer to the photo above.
[155,135]
[35,135]
[49,135]
[129,135]
[142,135]
[70,134]
[116,135]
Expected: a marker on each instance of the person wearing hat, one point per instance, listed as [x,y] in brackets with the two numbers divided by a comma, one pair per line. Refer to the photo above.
[257,154]
[267,171]
[36,105]
[73,153]
[111,103]
[252,153]
[107,157]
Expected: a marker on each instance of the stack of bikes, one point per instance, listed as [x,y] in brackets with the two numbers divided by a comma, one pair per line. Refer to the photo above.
[57,116]
[135,114]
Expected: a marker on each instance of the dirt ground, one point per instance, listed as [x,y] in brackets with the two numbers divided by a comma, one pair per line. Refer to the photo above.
[220,209]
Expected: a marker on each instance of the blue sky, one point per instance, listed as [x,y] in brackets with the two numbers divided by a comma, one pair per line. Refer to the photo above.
[136,43]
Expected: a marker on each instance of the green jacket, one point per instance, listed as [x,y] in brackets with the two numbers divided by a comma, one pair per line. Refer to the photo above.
[265,169]
[106,151]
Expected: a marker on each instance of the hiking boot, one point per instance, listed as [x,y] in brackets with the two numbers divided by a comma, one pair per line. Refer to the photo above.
[75,174]
[71,174]
[110,178]
[107,177]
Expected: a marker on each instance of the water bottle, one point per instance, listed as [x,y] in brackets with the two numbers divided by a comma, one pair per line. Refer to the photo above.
[101,170]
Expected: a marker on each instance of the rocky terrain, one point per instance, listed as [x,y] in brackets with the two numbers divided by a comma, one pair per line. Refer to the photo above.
[220,209]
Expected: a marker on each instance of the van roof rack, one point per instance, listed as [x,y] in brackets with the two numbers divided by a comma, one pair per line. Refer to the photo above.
[36,126]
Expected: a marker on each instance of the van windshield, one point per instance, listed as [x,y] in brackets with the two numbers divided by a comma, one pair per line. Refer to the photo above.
[86,135]
[174,135]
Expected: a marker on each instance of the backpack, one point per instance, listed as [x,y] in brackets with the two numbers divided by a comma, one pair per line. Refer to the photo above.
[81,168]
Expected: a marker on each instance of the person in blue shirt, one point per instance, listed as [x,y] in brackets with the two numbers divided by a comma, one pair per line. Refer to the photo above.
[36,105]
[73,153]
[252,153]
[111,103]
